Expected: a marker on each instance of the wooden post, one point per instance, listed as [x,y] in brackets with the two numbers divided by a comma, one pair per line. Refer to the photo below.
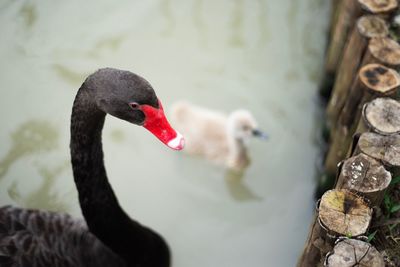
[341,213]
[344,213]
[379,6]
[353,252]
[373,80]
[358,58]
[380,50]
[334,14]
[364,175]
[385,148]
[383,50]
[316,247]
[346,13]
[365,28]
[381,115]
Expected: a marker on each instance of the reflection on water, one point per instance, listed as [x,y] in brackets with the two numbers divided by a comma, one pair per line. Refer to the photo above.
[111,43]
[261,55]
[237,187]
[166,11]
[237,24]
[292,16]
[263,22]
[45,197]
[28,13]
[31,137]
[69,75]
[118,136]
[198,21]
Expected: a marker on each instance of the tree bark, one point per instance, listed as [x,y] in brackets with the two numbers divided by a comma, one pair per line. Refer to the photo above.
[316,247]
[364,175]
[366,27]
[335,4]
[352,252]
[373,80]
[347,11]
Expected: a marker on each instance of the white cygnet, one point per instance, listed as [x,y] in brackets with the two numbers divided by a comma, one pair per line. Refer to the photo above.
[219,138]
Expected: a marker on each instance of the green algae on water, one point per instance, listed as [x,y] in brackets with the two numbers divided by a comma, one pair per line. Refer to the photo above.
[45,197]
[237,38]
[29,14]
[69,75]
[31,137]
[117,136]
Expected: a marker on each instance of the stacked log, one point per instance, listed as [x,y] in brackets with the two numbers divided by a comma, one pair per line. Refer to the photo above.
[346,12]
[353,252]
[381,115]
[366,174]
[364,119]
[385,148]
[344,15]
[374,158]
[340,213]
[346,211]
[385,7]
[374,80]
[366,27]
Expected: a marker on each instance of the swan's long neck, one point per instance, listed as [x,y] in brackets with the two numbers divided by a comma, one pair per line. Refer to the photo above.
[237,150]
[238,157]
[104,216]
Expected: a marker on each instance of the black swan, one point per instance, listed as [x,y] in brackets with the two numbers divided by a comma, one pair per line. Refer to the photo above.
[33,238]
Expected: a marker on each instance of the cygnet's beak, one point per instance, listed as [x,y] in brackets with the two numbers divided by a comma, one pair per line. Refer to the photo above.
[260,134]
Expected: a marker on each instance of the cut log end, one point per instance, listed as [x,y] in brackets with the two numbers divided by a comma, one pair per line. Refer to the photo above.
[379,79]
[364,174]
[382,115]
[352,252]
[372,26]
[381,147]
[344,213]
[386,50]
[378,6]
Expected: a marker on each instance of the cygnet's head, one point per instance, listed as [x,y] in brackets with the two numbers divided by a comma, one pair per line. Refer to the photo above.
[242,126]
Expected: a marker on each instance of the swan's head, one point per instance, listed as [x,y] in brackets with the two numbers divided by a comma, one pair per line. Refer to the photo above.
[242,126]
[130,97]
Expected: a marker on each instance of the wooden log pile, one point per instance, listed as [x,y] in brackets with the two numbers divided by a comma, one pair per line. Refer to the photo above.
[343,21]
[373,80]
[363,118]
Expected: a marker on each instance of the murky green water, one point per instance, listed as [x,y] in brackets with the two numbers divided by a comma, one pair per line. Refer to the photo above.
[261,55]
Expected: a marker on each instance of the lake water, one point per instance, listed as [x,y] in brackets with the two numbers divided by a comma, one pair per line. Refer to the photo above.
[263,55]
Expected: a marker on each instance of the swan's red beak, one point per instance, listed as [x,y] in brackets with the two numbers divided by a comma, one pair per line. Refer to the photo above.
[157,124]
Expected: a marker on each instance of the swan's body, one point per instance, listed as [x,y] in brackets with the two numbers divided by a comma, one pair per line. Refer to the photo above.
[52,239]
[222,139]
[109,237]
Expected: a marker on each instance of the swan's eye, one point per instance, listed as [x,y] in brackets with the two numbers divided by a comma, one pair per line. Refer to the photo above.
[134,105]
